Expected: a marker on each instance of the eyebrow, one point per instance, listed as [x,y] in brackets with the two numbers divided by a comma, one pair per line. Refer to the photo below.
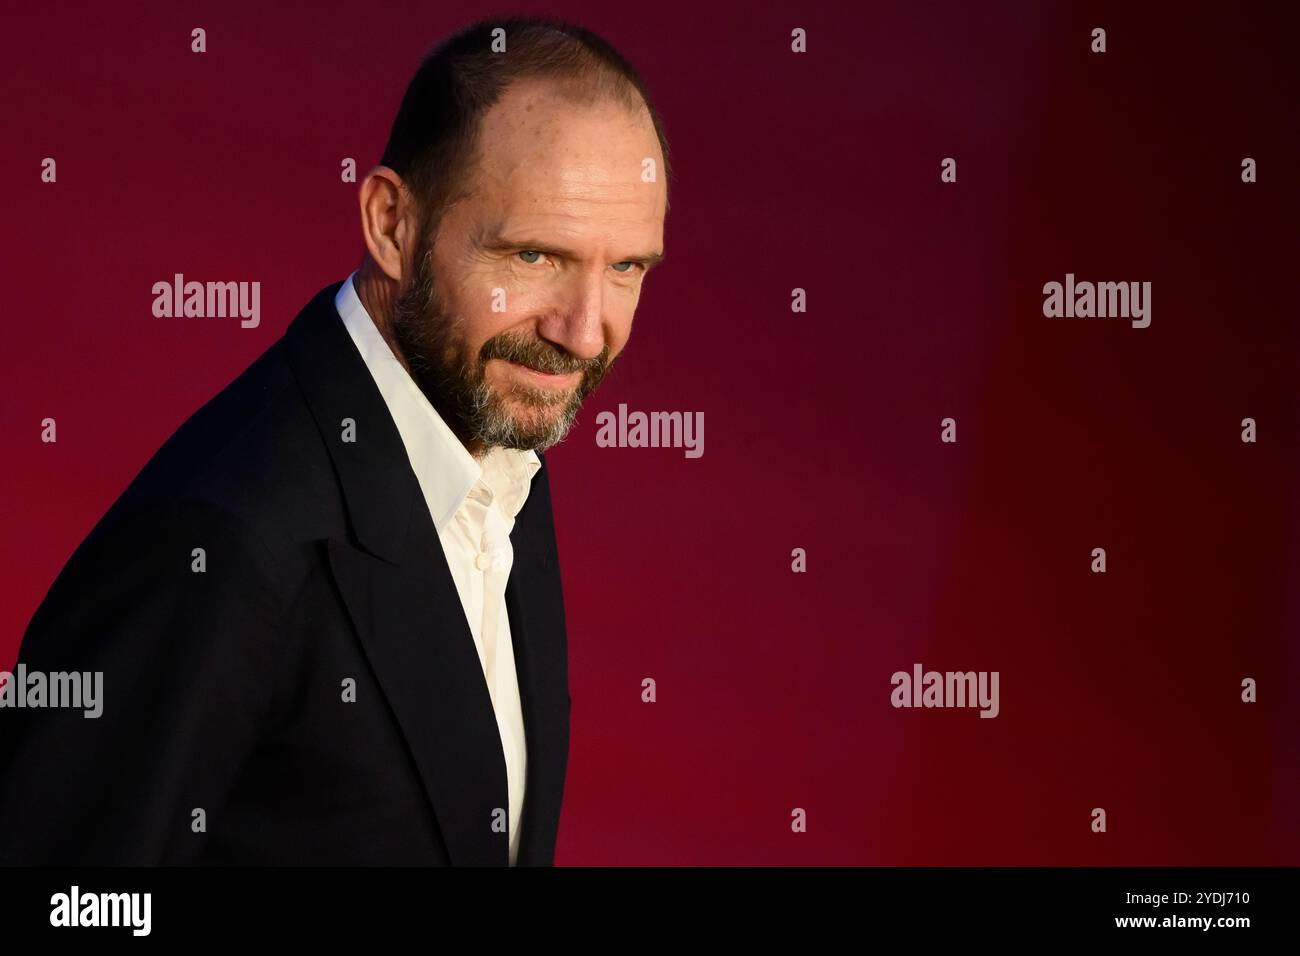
[496,242]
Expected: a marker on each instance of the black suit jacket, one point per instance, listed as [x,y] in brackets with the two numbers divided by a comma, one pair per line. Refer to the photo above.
[223,690]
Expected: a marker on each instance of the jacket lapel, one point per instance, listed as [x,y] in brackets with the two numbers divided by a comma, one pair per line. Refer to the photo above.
[534,601]
[416,639]
[399,592]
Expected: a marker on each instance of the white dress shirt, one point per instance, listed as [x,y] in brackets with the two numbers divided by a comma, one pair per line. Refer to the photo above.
[473,506]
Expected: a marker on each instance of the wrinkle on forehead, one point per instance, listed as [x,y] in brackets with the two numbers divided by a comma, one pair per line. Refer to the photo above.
[573,189]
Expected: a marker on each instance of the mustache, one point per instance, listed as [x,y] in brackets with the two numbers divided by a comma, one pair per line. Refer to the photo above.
[538,355]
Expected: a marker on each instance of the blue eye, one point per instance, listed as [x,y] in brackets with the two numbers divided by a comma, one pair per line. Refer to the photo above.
[628,264]
[530,252]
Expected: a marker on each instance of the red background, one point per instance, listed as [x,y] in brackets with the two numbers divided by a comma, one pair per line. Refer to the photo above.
[818,171]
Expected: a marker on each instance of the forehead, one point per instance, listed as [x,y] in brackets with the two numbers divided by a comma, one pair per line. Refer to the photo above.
[545,159]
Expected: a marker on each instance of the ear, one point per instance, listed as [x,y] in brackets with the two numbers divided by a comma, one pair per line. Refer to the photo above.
[388,221]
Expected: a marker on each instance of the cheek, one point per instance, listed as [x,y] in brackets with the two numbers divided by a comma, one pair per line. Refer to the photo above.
[478,300]
[474,318]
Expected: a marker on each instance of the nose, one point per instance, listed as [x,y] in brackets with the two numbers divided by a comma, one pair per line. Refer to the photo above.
[577,321]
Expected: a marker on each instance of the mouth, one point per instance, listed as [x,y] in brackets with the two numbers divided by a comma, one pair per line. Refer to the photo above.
[553,379]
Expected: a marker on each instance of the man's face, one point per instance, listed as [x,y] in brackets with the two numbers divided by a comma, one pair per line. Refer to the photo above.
[517,311]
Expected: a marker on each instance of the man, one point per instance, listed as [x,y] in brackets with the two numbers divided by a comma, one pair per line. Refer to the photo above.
[328,613]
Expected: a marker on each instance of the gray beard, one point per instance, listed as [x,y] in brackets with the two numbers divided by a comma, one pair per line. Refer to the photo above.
[457,386]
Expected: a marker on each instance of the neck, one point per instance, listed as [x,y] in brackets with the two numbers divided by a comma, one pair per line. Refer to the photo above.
[378,293]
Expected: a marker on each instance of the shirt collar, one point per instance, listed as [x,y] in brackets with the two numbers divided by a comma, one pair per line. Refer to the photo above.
[446,471]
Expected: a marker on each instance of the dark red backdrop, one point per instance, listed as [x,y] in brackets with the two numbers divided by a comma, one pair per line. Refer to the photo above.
[818,171]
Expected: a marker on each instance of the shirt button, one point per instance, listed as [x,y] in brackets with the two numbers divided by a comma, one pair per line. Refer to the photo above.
[483,561]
